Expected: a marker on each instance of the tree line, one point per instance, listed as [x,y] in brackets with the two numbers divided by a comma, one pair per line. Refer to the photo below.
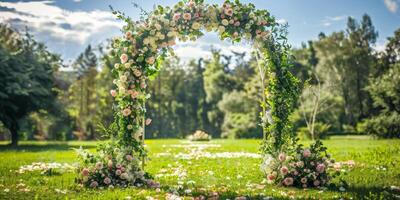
[348,87]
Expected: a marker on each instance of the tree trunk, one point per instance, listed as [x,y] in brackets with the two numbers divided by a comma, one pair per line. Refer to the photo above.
[14,134]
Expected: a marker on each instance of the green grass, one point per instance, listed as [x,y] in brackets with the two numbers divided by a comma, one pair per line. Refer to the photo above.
[377,168]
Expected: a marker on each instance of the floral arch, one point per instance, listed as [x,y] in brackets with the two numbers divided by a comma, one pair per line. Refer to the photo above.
[138,56]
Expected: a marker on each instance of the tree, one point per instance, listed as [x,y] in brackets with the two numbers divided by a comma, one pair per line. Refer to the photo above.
[26,78]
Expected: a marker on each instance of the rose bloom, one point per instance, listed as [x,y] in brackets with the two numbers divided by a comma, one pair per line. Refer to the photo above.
[107,181]
[237,23]
[296,173]
[284,170]
[128,34]
[129,127]
[150,60]
[196,26]
[282,157]
[320,168]
[118,172]
[148,121]
[129,157]
[116,65]
[122,169]
[94,184]
[187,16]
[176,16]
[316,183]
[235,34]
[271,177]
[303,180]
[99,165]
[225,22]
[143,85]
[288,181]
[196,15]
[126,112]
[118,165]
[306,153]
[229,11]
[113,93]
[124,58]
[85,172]
[123,78]
[134,94]
[190,3]
[137,72]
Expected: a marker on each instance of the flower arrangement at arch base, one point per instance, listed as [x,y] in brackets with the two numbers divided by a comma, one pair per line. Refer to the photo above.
[301,167]
[112,166]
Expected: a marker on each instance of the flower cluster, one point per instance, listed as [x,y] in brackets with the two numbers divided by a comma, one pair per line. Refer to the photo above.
[199,136]
[112,167]
[305,167]
[46,168]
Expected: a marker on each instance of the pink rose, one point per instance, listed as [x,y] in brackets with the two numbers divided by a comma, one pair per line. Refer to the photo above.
[191,3]
[118,172]
[148,121]
[143,85]
[94,184]
[85,172]
[237,23]
[271,177]
[118,166]
[150,60]
[129,157]
[316,183]
[196,15]
[126,112]
[296,173]
[320,168]
[124,58]
[177,16]
[99,165]
[134,94]
[128,34]
[187,16]
[282,157]
[303,180]
[229,11]
[288,181]
[113,93]
[107,181]
[284,170]
[306,153]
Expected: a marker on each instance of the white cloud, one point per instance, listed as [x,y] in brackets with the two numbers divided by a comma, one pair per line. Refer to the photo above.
[392,5]
[68,26]
[328,21]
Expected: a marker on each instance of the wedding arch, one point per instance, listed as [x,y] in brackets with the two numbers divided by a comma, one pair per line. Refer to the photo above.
[139,54]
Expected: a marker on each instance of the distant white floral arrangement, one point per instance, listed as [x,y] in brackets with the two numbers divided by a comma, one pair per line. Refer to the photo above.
[199,136]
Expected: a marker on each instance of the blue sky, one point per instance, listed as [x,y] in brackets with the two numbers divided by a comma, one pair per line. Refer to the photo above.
[67,26]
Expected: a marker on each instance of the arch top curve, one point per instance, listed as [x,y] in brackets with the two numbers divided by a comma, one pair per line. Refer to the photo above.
[137,56]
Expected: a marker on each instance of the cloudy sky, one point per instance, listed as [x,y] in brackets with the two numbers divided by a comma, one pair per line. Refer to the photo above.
[67,26]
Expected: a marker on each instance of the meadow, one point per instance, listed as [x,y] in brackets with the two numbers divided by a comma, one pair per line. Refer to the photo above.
[219,169]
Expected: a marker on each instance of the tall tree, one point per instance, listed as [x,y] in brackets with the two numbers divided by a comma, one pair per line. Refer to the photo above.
[26,78]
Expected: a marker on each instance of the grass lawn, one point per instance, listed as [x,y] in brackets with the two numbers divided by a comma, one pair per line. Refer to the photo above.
[229,168]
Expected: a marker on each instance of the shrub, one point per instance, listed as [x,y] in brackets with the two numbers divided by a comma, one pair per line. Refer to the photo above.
[320,131]
[304,167]
[383,126]
[199,136]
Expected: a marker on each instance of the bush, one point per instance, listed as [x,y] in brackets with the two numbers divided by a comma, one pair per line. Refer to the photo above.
[199,136]
[383,126]
[320,131]
[304,167]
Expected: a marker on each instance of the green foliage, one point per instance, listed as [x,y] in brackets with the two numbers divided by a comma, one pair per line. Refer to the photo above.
[320,131]
[26,78]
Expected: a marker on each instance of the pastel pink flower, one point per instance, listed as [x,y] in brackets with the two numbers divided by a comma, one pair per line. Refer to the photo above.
[316,183]
[124,58]
[126,112]
[282,157]
[296,173]
[177,16]
[85,172]
[288,181]
[118,166]
[113,93]
[196,15]
[237,23]
[143,85]
[320,168]
[118,172]
[271,177]
[187,16]
[229,11]
[94,184]
[191,3]
[107,180]
[134,94]
[148,121]
[128,34]
[150,60]
[284,170]
[129,157]
[306,153]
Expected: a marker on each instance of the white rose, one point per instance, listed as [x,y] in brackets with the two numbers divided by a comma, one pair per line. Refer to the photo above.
[196,26]
[221,29]
[161,36]
[225,22]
